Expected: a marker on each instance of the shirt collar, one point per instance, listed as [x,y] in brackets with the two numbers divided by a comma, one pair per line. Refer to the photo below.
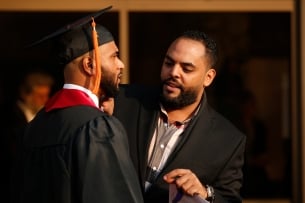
[164,116]
[85,90]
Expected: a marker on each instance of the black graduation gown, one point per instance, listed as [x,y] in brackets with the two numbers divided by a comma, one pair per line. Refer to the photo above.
[75,154]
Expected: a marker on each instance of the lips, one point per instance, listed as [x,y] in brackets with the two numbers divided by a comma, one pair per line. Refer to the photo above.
[120,76]
[171,86]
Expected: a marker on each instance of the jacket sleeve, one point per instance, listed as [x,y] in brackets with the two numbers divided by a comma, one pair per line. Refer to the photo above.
[229,181]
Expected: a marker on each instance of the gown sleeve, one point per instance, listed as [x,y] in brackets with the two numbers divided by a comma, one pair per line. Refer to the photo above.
[106,173]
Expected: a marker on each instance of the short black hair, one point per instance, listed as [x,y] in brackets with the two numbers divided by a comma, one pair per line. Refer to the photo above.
[208,42]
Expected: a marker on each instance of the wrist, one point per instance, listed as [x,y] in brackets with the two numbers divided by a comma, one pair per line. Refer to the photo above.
[210,195]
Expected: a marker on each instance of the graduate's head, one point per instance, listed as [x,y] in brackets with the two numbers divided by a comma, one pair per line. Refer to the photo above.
[88,54]
[77,53]
[79,41]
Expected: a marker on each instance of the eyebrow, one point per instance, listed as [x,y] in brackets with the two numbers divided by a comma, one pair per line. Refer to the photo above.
[168,58]
[182,63]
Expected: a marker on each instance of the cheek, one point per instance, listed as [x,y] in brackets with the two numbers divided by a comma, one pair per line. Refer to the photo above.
[164,73]
[106,67]
[194,81]
[111,74]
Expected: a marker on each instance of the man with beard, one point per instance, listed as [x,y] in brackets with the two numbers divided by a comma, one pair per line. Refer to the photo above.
[72,150]
[176,138]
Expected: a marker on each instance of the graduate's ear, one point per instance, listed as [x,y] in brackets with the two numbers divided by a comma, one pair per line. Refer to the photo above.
[88,65]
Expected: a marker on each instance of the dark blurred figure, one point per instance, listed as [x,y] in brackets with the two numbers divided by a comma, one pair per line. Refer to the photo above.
[256,183]
[32,93]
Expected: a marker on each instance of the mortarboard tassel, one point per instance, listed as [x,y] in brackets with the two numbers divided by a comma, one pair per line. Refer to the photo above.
[97,59]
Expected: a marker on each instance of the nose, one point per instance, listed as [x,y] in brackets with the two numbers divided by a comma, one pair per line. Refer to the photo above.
[175,70]
[121,64]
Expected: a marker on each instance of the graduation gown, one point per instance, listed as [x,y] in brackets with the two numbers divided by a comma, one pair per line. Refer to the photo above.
[75,153]
[211,147]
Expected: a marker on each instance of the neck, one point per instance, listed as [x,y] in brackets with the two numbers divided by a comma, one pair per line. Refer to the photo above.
[181,114]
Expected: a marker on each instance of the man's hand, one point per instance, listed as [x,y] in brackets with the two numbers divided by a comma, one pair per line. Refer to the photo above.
[107,105]
[187,181]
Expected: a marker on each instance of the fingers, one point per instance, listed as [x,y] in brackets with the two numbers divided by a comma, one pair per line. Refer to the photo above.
[175,174]
[107,105]
[187,181]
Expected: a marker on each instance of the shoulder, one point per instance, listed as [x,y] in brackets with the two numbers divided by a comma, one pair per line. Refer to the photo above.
[223,126]
[93,123]
[105,123]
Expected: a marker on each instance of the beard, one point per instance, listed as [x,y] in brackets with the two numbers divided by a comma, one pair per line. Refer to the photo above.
[109,86]
[185,98]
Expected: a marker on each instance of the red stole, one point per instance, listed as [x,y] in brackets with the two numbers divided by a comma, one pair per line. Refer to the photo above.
[67,98]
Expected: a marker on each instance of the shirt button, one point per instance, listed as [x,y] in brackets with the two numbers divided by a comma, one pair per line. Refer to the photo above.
[162,146]
[154,168]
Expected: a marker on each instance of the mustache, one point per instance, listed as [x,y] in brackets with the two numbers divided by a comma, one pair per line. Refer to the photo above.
[172,82]
[120,75]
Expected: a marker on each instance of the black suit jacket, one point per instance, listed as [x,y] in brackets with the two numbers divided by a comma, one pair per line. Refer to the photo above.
[211,146]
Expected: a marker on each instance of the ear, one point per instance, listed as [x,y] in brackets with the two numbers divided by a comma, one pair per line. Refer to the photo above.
[88,65]
[209,77]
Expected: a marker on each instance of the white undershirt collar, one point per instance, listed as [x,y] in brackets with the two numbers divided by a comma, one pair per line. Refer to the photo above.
[85,90]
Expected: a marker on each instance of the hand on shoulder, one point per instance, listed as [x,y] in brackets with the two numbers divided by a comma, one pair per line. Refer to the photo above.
[107,105]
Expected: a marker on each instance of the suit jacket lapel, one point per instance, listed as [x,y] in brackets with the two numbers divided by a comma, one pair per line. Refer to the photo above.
[146,127]
[199,126]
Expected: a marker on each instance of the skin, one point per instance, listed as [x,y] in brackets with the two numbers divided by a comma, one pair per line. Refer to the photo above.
[108,105]
[37,98]
[186,64]
[83,71]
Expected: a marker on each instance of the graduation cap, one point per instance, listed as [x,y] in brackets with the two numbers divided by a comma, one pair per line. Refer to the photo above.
[77,38]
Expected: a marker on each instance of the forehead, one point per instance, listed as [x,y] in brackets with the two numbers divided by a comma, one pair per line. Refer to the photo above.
[109,47]
[187,49]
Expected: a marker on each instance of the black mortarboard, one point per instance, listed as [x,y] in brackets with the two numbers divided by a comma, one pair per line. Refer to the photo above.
[75,39]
